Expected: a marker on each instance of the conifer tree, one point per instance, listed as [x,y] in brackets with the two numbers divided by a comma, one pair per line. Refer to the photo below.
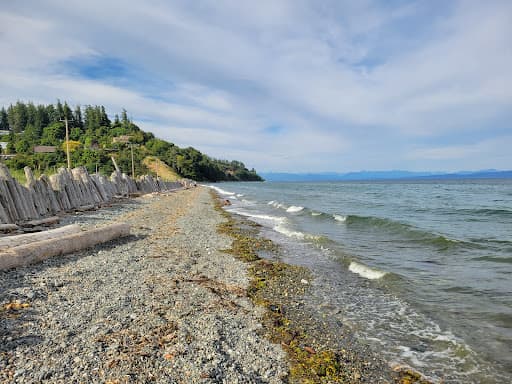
[4,123]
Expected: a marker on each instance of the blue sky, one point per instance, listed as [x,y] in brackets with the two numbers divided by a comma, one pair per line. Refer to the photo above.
[294,86]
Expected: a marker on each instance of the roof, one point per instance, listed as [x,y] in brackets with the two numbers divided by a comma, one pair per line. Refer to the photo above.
[44,149]
[121,139]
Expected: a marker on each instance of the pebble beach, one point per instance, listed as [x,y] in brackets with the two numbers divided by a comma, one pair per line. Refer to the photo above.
[164,305]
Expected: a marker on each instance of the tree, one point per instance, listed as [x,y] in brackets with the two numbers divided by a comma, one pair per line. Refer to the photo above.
[60,110]
[52,113]
[124,118]
[104,120]
[66,112]
[53,134]
[22,146]
[31,134]
[10,143]
[77,116]
[17,117]
[31,114]
[4,122]
[42,119]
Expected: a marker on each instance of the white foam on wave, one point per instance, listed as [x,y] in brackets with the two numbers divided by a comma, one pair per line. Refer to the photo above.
[365,271]
[281,228]
[240,195]
[222,191]
[294,209]
[315,213]
[277,204]
[340,218]
[278,219]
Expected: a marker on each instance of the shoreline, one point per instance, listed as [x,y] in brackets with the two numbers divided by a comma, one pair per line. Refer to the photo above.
[167,304]
[318,350]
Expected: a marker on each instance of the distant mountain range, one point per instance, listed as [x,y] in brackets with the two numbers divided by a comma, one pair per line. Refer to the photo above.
[386,175]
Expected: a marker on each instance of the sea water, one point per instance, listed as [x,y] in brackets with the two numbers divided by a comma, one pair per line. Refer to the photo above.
[421,270]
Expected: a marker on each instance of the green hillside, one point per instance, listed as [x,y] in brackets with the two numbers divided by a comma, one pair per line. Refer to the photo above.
[27,129]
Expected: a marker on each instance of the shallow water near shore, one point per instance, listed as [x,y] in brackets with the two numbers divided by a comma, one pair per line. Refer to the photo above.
[422,271]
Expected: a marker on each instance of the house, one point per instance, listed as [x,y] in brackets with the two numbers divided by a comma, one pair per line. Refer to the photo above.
[123,139]
[45,149]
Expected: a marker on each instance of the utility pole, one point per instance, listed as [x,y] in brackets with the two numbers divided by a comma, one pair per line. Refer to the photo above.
[133,164]
[67,140]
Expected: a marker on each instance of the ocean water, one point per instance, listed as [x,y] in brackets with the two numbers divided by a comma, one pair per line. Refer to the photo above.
[422,271]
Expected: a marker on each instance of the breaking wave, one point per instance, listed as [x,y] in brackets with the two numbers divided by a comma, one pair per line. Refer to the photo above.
[365,271]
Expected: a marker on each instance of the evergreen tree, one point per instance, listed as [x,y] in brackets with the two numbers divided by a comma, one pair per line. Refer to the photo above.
[31,113]
[77,116]
[17,117]
[42,119]
[53,114]
[4,122]
[67,114]
[60,110]
[104,120]
[124,118]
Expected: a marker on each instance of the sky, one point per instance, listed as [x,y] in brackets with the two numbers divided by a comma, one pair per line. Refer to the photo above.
[284,86]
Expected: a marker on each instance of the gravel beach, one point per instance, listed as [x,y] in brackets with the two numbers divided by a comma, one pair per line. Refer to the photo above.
[164,305]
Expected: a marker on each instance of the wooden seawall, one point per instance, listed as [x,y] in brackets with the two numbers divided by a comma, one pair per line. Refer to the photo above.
[65,191]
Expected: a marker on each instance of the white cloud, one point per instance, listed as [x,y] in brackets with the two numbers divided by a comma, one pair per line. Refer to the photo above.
[353,84]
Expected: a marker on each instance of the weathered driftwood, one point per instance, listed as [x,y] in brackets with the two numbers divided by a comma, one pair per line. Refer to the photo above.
[34,189]
[67,190]
[8,227]
[4,217]
[6,198]
[57,184]
[90,190]
[85,208]
[17,240]
[41,250]
[45,222]
[49,194]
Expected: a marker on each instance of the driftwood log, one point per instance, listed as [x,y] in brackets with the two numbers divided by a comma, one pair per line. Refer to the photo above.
[45,222]
[8,227]
[44,249]
[17,240]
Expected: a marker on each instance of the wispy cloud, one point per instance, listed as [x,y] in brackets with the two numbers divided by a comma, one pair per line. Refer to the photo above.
[350,85]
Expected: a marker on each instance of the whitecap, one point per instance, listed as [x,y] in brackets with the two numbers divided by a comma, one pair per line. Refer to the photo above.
[340,218]
[365,271]
[294,209]
[258,216]
[222,191]
[288,232]
[315,213]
